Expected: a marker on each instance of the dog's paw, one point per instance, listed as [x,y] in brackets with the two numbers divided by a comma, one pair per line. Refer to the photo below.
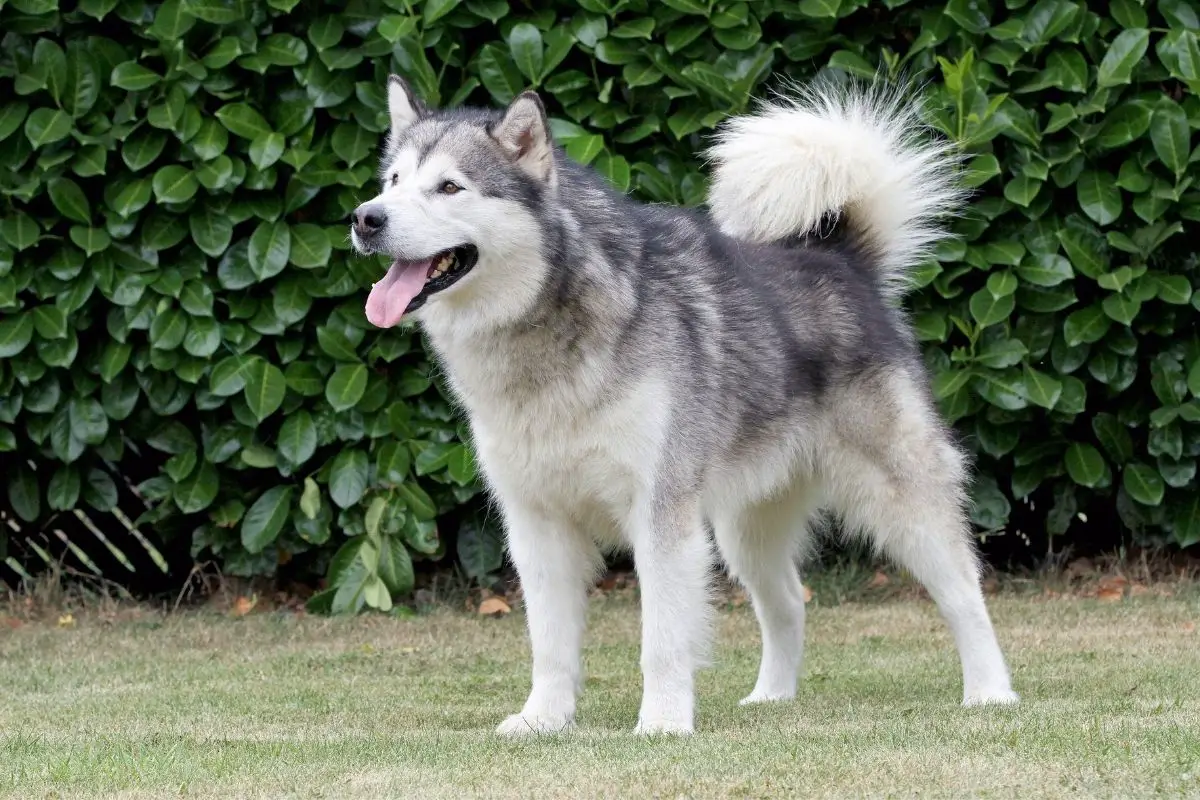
[756,697]
[535,725]
[662,727]
[1002,697]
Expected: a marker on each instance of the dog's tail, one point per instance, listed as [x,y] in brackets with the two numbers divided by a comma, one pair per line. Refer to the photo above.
[860,153]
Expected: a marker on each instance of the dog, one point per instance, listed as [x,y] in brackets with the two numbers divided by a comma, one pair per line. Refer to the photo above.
[651,378]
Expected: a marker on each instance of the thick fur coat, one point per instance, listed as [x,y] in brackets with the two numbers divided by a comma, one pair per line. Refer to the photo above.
[653,378]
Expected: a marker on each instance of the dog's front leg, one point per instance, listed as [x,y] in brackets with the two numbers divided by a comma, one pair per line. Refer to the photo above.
[556,564]
[673,561]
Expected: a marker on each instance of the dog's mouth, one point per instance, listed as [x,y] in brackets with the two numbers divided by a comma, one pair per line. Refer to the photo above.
[408,284]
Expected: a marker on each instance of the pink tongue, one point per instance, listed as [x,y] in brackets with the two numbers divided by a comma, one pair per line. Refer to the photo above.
[391,296]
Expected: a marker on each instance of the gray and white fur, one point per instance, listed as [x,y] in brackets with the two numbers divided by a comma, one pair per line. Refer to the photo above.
[640,376]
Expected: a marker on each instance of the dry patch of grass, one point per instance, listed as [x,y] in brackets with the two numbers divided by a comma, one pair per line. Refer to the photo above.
[284,705]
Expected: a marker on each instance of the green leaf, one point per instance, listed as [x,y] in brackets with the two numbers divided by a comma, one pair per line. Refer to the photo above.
[1002,283]
[584,149]
[1099,196]
[20,230]
[335,344]
[218,12]
[987,309]
[45,126]
[63,492]
[395,27]
[174,184]
[1170,136]
[171,22]
[265,388]
[348,477]
[1121,308]
[1113,436]
[133,77]
[1124,124]
[243,120]
[12,114]
[1143,484]
[211,230]
[1046,270]
[1086,325]
[265,150]
[392,463]
[1174,289]
[436,9]
[70,200]
[270,246]
[90,240]
[346,386]
[16,331]
[264,520]
[499,74]
[417,500]
[819,9]
[100,492]
[1002,353]
[297,439]
[688,6]
[130,197]
[1185,520]
[197,491]
[310,499]
[24,494]
[1042,389]
[50,322]
[525,46]
[203,337]
[395,565]
[480,549]
[310,246]
[304,379]
[168,329]
[1085,248]
[1123,55]
[89,423]
[140,150]
[1085,465]
[113,359]
[1022,190]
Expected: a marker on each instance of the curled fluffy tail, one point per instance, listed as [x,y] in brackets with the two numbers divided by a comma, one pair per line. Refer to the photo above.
[860,153]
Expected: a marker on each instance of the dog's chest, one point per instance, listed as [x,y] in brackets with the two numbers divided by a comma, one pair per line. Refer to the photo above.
[561,451]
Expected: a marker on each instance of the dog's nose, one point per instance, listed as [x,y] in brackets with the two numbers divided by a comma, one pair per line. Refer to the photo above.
[369,219]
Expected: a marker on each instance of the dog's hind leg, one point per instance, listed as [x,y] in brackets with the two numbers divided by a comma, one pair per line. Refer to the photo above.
[674,567]
[760,545]
[556,563]
[900,483]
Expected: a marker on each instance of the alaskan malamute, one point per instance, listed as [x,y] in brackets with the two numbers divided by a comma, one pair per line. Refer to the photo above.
[638,375]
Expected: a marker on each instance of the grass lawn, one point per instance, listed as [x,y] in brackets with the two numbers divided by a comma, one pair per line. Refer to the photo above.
[278,705]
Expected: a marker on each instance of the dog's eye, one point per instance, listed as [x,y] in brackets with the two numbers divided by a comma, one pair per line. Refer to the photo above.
[395,178]
[449,187]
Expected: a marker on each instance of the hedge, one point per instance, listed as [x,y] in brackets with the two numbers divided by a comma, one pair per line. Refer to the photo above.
[177,293]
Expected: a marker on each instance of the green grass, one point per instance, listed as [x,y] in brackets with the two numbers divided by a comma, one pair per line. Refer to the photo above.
[274,705]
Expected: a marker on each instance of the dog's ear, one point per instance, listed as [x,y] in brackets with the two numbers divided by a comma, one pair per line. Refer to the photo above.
[524,135]
[404,107]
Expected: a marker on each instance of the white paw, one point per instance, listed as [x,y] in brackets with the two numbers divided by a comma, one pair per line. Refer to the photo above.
[663,727]
[535,725]
[762,696]
[1002,697]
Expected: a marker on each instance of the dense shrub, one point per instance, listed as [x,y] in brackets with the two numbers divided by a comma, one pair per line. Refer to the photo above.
[176,288]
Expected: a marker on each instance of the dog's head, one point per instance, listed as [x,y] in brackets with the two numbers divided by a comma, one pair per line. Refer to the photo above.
[458,211]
